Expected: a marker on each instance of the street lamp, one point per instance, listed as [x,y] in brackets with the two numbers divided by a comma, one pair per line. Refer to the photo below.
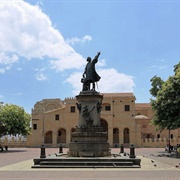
[43,127]
[43,152]
[169,149]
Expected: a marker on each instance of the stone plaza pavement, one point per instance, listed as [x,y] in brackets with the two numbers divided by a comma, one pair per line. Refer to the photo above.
[155,164]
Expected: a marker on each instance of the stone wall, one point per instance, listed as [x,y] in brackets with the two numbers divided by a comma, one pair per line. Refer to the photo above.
[13,141]
[158,143]
[145,143]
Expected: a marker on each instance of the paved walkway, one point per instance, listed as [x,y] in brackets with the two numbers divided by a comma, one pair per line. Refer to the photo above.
[16,164]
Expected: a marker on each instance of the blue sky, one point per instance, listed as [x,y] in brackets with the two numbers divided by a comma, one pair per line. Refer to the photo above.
[44,45]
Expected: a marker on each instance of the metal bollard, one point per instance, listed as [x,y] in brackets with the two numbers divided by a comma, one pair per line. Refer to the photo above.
[132,151]
[43,152]
[122,148]
[60,148]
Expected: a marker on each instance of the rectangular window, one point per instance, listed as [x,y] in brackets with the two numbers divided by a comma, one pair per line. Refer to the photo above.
[57,117]
[158,136]
[35,119]
[148,136]
[72,110]
[127,107]
[34,126]
[107,108]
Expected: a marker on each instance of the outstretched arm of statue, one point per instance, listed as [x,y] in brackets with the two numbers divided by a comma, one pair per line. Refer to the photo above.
[98,53]
[96,57]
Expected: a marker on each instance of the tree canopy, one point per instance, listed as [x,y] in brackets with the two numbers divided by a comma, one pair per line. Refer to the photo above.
[166,104]
[14,120]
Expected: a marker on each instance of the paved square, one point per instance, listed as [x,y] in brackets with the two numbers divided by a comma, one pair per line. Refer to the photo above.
[16,164]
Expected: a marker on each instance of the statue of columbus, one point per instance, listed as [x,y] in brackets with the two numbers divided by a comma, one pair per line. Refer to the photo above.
[90,75]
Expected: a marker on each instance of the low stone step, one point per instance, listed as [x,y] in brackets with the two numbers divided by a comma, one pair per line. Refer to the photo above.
[71,166]
[83,163]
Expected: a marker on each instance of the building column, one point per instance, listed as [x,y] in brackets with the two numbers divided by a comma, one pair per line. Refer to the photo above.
[54,138]
[68,137]
[121,134]
[138,136]
[110,136]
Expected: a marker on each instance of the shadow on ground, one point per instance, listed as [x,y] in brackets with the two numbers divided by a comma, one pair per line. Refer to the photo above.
[12,151]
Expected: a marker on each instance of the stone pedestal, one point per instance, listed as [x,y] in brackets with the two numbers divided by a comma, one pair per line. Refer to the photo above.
[89,140]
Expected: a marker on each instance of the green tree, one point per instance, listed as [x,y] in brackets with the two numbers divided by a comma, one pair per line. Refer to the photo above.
[166,104]
[156,83]
[14,120]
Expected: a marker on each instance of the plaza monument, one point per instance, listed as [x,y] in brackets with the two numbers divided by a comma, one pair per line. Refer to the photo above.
[89,139]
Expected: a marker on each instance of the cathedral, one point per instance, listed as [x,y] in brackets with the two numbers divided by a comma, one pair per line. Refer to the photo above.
[125,121]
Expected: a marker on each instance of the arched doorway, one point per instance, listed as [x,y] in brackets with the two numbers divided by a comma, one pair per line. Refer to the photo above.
[115,136]
[104,125]
[126,135]
[48,137]
[61,136]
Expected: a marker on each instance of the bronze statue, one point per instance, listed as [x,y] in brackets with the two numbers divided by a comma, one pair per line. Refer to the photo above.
[90,75]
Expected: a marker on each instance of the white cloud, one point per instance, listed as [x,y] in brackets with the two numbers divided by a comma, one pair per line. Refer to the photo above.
[7,60]
[75,80]
[111,81]
[74,40]
[101,63]
[70,61]
[40,75]
[28,32]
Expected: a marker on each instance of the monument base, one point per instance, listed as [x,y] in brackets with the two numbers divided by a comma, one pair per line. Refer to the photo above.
[89,142]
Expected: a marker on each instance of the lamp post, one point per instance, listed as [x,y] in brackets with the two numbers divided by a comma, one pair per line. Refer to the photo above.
[43,128]
[2,127]
[169,149]
[43,152]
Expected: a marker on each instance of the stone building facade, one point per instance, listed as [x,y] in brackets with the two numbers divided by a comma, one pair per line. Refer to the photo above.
[127,122]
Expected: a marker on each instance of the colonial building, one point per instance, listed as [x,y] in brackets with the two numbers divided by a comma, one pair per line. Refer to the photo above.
[127,122]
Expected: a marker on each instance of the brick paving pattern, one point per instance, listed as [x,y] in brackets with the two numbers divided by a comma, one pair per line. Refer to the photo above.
[16,164]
